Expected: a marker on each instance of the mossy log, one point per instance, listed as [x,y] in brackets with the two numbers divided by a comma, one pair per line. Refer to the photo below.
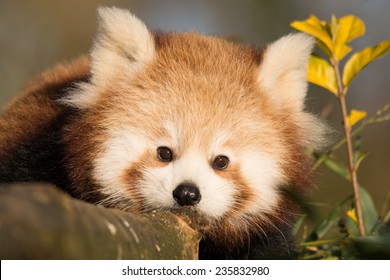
[42,222]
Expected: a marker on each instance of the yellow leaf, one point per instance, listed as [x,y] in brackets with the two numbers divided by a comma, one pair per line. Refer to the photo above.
[361,59]
[352,215]
[321,73]
[341,51]
[349,28]
[316,28]
[343,31]
[326,50]
[355,116]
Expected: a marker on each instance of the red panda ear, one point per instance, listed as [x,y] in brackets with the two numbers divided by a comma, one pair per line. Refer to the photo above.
[122,41]
[123,45]
[282,73]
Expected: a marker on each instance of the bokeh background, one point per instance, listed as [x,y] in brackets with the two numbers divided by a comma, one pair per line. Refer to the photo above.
[35,35]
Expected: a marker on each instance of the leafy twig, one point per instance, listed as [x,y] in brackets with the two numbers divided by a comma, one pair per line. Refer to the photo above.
[378,118]
[347,131]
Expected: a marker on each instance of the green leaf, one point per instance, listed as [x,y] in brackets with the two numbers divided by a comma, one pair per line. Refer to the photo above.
[386,218]
[361,156]
[316,28]
[355,116]
[321,73]
[337,168]
[370,215]
[298,224]
[361,59]
[372,247]
[386,208]
[357,143]
[343,31]
[326,224]
[352,225]
[369,212]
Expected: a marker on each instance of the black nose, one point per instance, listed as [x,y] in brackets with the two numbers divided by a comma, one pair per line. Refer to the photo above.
[187,194]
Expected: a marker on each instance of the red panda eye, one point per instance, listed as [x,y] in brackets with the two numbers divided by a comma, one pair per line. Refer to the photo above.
[221,162]
[164,154]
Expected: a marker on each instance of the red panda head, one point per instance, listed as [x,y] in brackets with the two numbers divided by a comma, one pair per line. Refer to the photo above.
[185,121]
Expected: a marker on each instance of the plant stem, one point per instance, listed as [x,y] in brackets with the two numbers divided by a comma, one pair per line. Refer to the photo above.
[347,131]
[376,119]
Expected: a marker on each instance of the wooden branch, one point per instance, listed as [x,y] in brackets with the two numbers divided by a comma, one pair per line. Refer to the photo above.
[41,222]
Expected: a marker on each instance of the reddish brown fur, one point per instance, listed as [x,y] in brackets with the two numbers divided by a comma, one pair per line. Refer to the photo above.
[192,64]
[244,194]
[34,110]
[184,64]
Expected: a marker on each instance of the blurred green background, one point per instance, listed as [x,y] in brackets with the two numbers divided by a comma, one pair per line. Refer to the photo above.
[35,35]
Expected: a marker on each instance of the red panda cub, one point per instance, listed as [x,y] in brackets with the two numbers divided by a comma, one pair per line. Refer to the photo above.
[177,122]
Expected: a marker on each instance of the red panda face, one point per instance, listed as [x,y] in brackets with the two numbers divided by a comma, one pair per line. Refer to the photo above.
[184,121]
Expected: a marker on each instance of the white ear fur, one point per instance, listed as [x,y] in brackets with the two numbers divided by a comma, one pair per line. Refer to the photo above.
[120,36]
[123,45]
[282,73]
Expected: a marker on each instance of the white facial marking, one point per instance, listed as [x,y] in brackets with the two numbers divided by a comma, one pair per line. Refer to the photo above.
[122,149]
[174,133]
[217,144]
[263,175]
[217,192]
[191,166]
[260,171]
[159,184]
[157,187]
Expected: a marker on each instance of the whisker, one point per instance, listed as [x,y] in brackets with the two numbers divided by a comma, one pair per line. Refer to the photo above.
[270,222]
